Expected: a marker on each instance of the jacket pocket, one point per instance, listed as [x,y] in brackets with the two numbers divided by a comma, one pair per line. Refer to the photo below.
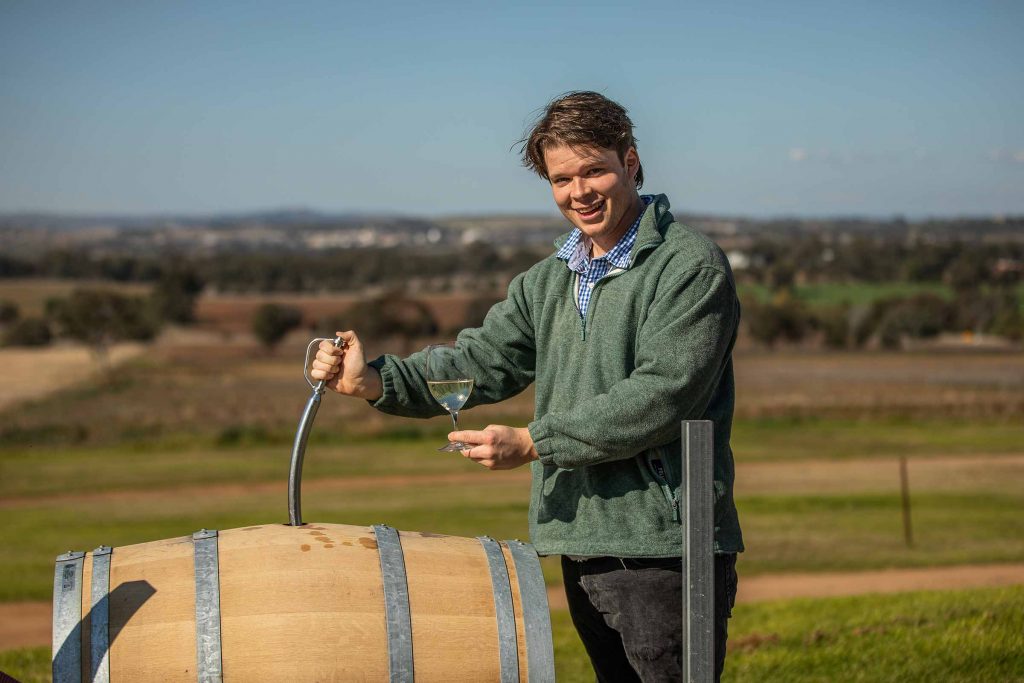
[656,466]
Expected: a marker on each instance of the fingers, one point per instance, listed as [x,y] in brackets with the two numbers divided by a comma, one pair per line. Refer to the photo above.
[473,436]
[481,455]
[327,361]
[321,370]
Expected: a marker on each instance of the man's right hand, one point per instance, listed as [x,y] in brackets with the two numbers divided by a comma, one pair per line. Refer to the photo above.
[345,368]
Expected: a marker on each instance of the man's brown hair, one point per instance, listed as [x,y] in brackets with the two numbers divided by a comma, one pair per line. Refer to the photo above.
[579,119]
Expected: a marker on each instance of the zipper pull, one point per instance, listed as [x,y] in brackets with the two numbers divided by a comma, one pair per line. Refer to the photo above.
[676,515]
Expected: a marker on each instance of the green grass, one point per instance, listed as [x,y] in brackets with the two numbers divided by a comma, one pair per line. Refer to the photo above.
[928,636]
[832,438]
[855,293]
[27,665]
[48,470]
[845,531]
[865,531]
[961,636]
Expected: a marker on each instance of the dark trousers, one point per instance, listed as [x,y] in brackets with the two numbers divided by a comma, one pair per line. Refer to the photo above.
[629,614]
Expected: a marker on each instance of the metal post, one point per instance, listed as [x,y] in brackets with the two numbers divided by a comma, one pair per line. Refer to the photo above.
[698,551]
[908,532]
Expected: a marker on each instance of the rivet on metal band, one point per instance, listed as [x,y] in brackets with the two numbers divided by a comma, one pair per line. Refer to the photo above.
[208,640]
[99,637]
[67,617]
[508,646]
[540,655]
[396,603]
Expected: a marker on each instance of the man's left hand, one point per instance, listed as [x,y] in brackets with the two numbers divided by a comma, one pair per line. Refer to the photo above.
[497,447]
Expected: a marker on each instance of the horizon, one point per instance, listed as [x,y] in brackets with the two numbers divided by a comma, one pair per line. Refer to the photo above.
[440,216]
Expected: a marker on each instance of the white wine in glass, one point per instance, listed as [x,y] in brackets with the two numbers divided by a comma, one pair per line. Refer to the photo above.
[448,385]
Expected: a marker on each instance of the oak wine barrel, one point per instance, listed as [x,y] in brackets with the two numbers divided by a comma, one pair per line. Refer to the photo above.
[317,602]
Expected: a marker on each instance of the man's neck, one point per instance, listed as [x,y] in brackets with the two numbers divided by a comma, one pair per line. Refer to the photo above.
[599,249]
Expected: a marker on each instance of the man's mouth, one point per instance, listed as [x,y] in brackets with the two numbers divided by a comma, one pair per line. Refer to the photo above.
[590,211]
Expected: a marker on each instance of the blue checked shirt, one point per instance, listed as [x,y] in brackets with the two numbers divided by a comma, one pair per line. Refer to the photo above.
[576,253]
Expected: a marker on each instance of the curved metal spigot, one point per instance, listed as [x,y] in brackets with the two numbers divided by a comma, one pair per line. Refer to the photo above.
[302,436]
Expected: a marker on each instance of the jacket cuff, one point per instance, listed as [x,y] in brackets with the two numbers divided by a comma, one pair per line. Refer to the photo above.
[543,441]
[387,398]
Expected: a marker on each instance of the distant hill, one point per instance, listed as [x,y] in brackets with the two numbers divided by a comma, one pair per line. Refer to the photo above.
[303,229]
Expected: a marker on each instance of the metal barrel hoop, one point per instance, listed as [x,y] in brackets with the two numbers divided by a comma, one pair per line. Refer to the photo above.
[540,655]
[66,659]
[99,636]
[209,660]
[504,611]
[398,613]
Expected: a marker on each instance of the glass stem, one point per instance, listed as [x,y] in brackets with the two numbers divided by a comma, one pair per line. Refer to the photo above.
[455,420]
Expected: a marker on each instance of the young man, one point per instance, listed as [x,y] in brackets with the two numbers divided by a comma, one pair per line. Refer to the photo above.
[627,329]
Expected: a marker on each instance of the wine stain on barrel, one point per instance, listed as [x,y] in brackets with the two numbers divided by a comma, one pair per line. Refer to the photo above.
[427,534]
[304,548]
[368,543]
[321,536]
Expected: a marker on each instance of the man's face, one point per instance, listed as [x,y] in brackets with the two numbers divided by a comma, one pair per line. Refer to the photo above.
[595,191]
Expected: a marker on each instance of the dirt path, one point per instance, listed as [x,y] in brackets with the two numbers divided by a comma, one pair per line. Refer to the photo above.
[153,496]
[27,624]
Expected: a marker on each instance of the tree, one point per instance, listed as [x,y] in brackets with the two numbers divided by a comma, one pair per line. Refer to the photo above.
[9,312]
[272,322]
[391,316]
[784,318]
[100,317]
[28,332]
[174,295]
[921,316]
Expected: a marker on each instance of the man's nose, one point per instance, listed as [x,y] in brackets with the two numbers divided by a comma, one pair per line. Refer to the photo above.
[580,188]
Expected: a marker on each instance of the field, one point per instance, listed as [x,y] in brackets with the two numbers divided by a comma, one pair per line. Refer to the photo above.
[195,431]
[835,293]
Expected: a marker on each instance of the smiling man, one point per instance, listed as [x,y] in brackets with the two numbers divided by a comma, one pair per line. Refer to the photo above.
[626,330]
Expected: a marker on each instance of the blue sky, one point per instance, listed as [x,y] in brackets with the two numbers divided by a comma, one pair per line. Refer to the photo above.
[788,108]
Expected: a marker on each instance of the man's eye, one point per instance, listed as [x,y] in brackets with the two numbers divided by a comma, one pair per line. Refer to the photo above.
[595,171]
[559,181]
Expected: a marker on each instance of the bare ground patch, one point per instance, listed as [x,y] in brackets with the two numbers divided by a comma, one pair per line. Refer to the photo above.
[34,373]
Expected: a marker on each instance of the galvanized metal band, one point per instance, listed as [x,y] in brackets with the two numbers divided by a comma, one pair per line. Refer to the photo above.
[698,551]
[208,640]
[99,636]
[67,617]
[508,646]
[396,603]
[540,654]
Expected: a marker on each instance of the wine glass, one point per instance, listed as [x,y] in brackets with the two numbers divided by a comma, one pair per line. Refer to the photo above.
[448,384]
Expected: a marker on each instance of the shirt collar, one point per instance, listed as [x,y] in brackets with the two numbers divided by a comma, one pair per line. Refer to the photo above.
[576,250]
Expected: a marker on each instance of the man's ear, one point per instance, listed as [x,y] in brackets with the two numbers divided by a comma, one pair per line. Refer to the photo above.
[632,163]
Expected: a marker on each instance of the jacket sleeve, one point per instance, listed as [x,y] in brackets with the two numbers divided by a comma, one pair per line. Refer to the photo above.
[499,356]
[683,347]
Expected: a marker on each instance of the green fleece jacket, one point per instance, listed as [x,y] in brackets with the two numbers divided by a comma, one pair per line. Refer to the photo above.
[654,349]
